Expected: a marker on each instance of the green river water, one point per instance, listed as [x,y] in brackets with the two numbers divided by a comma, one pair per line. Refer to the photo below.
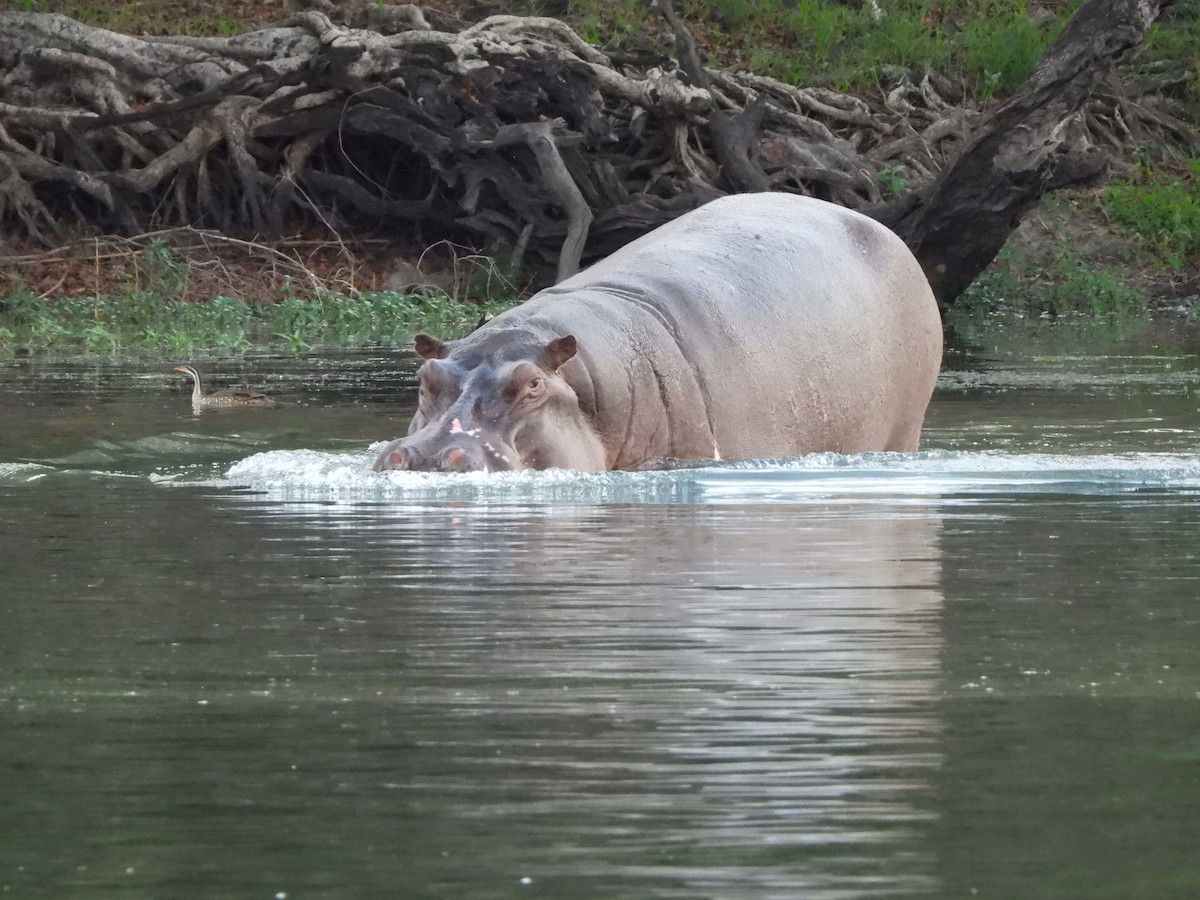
[236,663]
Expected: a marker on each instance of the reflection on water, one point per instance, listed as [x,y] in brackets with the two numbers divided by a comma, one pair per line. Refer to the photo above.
[601,699]
[235,662]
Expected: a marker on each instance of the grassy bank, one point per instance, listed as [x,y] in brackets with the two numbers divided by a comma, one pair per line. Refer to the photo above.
[1122,250]
[132,297]
[147,323]
[1114,253]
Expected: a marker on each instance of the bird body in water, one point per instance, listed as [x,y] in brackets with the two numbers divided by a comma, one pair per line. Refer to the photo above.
[224,399]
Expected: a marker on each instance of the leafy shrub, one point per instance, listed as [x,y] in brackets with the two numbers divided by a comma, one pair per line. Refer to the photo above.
[1162,209]
[1066,287]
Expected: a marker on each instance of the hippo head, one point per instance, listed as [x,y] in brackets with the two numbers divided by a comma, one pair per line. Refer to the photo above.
[495,401]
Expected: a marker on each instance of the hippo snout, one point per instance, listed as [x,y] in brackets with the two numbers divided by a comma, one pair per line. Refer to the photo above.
[392,457]
[458,459]
[465,457]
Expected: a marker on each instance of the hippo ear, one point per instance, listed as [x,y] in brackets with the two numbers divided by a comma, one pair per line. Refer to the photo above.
[429,347]
[557,352]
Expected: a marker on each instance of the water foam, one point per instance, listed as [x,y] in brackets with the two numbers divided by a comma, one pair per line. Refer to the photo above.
[309,474]
[23,473]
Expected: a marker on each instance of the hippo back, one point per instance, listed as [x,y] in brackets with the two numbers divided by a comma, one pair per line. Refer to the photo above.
[757,325]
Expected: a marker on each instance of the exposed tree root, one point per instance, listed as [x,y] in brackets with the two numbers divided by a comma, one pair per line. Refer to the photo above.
[512,133]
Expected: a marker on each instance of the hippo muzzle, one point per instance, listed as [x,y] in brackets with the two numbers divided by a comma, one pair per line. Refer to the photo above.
[454,449]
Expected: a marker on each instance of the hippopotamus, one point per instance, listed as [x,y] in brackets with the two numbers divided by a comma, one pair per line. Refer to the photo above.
[758,325]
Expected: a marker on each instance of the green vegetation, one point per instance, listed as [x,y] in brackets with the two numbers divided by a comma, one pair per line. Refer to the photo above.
[142,322]
[999,49]
[892,181]
[221,18]
[986,46]
[1066,287]
[1154,218]
[139,310]
[138,17]
[1162,209]
[990,45]
[1174,42]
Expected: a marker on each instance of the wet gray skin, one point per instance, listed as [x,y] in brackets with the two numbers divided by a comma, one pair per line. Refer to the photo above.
[756,325]
[488,408]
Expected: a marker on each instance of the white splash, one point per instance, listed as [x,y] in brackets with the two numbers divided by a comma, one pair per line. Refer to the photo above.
[16,472]
[900,477]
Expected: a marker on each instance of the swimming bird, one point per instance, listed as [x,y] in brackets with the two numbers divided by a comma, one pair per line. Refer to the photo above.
[221,399]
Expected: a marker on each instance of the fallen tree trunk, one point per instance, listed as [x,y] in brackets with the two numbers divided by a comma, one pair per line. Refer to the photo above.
[512,134]
[1033,143]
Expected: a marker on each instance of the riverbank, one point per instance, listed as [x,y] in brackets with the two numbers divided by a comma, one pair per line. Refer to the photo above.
[1127,248]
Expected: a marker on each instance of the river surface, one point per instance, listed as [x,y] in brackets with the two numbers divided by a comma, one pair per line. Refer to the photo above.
[236,663]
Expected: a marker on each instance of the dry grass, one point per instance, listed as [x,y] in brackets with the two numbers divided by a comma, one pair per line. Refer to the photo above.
[210,264]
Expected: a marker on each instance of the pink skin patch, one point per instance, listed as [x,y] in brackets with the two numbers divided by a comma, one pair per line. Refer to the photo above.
[456,428]
[496,453]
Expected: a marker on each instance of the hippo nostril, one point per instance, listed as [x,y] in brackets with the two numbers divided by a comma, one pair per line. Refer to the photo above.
[456,459]
[392,458]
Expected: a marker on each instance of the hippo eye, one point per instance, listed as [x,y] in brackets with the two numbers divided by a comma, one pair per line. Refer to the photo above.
[535,382]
